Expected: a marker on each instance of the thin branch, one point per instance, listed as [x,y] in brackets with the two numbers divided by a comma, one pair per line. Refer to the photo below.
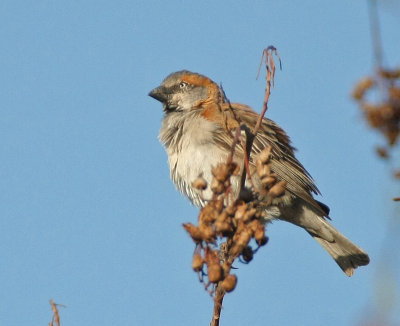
[218,299]
[226,252]
[267,55]
[56,317]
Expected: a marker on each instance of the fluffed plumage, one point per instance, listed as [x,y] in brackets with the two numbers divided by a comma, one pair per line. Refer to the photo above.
[198,130]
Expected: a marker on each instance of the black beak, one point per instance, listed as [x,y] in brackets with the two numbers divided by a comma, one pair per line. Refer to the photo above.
[160,94]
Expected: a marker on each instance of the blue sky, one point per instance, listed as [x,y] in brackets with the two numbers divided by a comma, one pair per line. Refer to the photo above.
[89,216]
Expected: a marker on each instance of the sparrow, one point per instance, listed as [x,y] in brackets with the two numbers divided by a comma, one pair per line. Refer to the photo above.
[198,129]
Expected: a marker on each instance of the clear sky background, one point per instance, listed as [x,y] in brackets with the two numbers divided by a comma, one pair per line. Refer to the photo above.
[89,216]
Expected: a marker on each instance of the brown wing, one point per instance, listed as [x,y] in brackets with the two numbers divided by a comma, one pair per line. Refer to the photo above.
[283,161]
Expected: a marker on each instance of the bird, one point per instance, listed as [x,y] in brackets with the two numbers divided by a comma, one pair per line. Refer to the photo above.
[197,131]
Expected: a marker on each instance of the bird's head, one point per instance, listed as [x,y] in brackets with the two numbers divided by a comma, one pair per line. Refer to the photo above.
[185,90]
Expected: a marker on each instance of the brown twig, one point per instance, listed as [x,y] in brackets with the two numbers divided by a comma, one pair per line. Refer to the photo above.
[225,252]
[267,55]
[218,299]
[56,317]
[234,222]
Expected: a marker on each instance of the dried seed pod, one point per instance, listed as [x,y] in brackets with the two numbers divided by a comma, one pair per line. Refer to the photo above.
[217,187]
[221,172]
[390,74]
[374,116]
[261,214]
[247,254]
[219,205]
[367,107]
[241,242]
[259,235]
[230,210]
[361,87]
[244,237]
[263,241]
[200,183]
[214,272]
[236,250]
[249,214]
[240,211]
[211,257]
[268,181]
[223,217]
[207,233]
[278,189]
[240,226]
[265,155]
[387,111]
[207,214]
[193,231]
[223,227]
[254,225]
[229,283]
[232,167]
[197,263]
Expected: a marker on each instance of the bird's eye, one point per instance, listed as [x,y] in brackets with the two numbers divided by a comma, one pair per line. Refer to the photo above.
[182,84]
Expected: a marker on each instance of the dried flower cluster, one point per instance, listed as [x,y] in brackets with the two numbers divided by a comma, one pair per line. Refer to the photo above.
[271,188]
[382,113]
[227,226]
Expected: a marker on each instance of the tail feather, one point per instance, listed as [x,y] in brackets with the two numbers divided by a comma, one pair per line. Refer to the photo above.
[346,254]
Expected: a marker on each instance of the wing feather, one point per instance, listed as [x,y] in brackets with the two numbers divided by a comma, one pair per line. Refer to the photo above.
[283,161]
